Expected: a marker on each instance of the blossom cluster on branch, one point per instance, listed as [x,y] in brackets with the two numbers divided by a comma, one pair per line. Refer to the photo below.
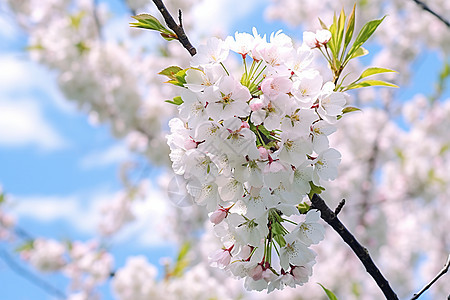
[252,148]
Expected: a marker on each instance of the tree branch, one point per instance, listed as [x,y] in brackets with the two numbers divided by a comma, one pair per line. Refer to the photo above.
[426,8]
[439,275]
[363,254]
[36,280]
[178,29]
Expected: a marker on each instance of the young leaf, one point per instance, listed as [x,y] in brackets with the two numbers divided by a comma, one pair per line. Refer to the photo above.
[148,22]
[169,36]
[2,198]
[177,101]
[170,71]
[323,25]
[365,33]
[349,109]
[329,293]
[360,52]
[303,208]
[280,240]
[182,260]
[26,246]
[315,189]
[181,75]
[340,30]
[177,78]
[374,70]
[367,83]
[332,43]
[350,27]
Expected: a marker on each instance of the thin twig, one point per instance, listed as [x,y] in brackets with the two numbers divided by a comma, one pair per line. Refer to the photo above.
[36,280]
[180,18]
[362,253]
[426,8]
[178,29]
[339,207]
[439,275]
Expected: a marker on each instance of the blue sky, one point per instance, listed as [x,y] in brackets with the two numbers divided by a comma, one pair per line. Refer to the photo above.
[49,152]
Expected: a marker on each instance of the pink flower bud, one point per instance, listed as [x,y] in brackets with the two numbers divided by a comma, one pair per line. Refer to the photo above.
[218,216]
[263,153]
[256,273]
[220,258]
[256,104]
[190,144]
[301,273]
[245,252]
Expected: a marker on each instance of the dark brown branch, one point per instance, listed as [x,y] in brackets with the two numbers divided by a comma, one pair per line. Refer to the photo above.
[36,280]
[426,8]
[178,29]
[439,275]
[363,254]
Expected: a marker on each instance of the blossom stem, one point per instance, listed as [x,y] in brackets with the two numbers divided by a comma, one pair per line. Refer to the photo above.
[254,80]
[292,222]
[223,66]
[246,72]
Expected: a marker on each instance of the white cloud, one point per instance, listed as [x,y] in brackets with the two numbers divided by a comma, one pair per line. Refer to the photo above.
[22,123]
[217,16]
[24,78]
[48,209]
[83,212]
[112,155]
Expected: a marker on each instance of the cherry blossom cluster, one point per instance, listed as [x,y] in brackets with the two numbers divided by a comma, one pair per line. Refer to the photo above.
[252,146]
[7,221]
[86,264]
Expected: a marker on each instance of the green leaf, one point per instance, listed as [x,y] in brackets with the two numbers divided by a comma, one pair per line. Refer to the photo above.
[340,31]
[177,78]
[303,208]
[2,198]
[315,189]
[365,33]
[181,75]
[169,36]
[332,42]
[360,52]
[349,109]
[182,260]
[75,20]
[170,71]
[28,245]
[177,101]
[323,25]
[350,27]
[374,70]
[329,293]
[277,228]
[280,240]
[148,22]
[367,83]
